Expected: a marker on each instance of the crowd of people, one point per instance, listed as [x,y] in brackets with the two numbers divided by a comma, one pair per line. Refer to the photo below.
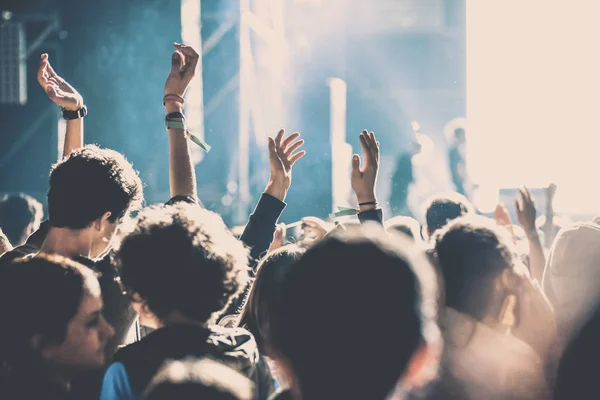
[108,298]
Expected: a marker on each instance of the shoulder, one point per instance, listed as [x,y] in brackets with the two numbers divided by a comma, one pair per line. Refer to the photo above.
[116,383]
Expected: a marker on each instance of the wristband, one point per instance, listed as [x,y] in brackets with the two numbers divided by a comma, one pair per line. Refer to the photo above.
[368,203]
[76,114]
[173,97]
[175,125]
[174,116]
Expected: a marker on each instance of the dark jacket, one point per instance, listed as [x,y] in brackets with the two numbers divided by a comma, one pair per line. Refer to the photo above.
[136,364]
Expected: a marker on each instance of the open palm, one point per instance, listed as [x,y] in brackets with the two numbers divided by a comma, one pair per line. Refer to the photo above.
[57,89]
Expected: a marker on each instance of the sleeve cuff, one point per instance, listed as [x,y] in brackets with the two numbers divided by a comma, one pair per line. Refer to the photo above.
[269,208]
[371,215]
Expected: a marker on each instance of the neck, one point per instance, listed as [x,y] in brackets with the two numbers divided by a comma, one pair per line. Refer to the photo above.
[67,242]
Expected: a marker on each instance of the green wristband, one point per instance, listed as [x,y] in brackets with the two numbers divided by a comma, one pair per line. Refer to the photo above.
[175,125]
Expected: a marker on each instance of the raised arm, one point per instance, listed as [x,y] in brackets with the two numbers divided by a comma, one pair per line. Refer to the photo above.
[364,180]
[283,154]
[526,213]
[182,176]
[69,99]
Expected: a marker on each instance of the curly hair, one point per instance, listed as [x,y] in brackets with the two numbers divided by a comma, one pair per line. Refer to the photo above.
[89,183]
[39,295]
[471,253]
[182,258]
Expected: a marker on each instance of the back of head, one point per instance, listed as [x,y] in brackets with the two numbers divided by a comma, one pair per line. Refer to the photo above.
[572,275]
[406,225]
[17,213]
[39,295]
[264,301]
[193,379]
[89,183]
[357,307]
[182,258]
[443,208]
[471,253]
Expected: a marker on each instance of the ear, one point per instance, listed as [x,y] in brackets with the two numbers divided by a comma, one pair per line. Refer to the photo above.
[39,345]
[423,366]
[101,222]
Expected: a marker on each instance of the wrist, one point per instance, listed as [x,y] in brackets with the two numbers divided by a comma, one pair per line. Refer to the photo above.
[366,197]
[173,106]
[277,190]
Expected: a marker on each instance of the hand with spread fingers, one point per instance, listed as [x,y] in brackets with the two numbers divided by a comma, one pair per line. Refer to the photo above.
[364,179]
[283,155]
[526,212]
[183,68]
[57,89]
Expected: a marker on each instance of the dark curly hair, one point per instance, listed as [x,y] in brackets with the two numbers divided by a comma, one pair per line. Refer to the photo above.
[182,258]
[90,182]
[445,207]
[471,253]
[39,295]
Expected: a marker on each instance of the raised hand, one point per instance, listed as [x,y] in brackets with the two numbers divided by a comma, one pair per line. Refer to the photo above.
[282,157]
[364,179]
[57,89]
[502,218]
[316,226]
[183,68]
[278,238]
[526,212]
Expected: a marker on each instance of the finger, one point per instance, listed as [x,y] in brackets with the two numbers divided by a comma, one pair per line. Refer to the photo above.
[296,157]
[51,72]
[528,194]
[177,60]
[365,135]
[279,137]
[517,207]
[373,146]
[355,166]
[289,140]
[293,147]
[52,91]
[191,58]
[42,74]
[309,221]
[365,148]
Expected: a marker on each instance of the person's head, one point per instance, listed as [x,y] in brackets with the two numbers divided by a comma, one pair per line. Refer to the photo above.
[265,296]
[460,135]
[51,313]
[4,243]
[91,191]
[406,225]
[478,263]
[20,216]
[181,260]
[443,208]
[192,379]
[359,317]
